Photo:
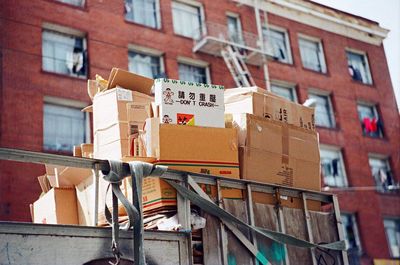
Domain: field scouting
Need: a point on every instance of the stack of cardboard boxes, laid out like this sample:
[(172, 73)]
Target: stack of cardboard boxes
[(192, 127)]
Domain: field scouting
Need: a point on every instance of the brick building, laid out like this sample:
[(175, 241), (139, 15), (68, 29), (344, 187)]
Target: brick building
[(50, 47)]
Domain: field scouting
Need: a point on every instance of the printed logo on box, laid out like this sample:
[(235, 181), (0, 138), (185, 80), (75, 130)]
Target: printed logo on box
[(168, 94), (185, 119), (166, 119)]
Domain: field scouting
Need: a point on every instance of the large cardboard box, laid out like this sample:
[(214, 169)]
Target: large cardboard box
[(58, 206), (189, 148), (189, 103), (117, 114), (278, 153), (261, 103)]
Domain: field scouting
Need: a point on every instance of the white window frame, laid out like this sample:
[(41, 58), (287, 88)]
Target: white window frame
[(376, 113), (287, 42), (158, 17), (364, 54), (67, 2), (50, 27), (355, 230), (324, 68), (396, 220), (148, 51), (328, 95), (238, 23), (70, 104), (386, 159), (288, 85), (339, 151), (202, 16), (197, 63)]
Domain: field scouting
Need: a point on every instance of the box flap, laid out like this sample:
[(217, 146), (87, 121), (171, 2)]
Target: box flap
[(72, 176), (131, 81)]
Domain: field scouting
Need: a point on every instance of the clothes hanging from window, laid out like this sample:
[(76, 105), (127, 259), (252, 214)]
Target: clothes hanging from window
[(367, 124), (335, 171), (74, 61), (355, 73)]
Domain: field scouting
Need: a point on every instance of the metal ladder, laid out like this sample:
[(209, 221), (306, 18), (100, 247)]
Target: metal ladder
[(237, 67)]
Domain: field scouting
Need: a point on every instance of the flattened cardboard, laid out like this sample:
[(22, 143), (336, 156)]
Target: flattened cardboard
[(87, 150), (58, 206), (131, 81), (261, 103)]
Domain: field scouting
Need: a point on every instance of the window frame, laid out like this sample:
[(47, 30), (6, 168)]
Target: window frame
[(356, 232), (386, 160), (58, 29), (287, 85), (149, 52), (69, 103), (238, 24), (158, 24), (198, 5), (365, 56), (337, 149), (396, 220), (287, 42), (196, 63), (374, 107), (324, 66), (328, 95)]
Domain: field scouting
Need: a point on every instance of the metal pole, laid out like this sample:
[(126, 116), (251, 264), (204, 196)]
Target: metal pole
[(96, 193), (250, 210), (222, 232), (339, 226), (308, 226), (261, 43)]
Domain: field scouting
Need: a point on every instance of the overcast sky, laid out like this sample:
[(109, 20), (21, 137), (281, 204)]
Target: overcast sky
[(387, 13)]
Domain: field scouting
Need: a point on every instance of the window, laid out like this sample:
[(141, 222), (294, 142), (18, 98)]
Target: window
[(278, 41), (187, 20), (64, 54), (145, 12), (63, 127), (192, 73), (352, 238), (312, 54), (371, 124), (323, 111), (73, 2), (358, 67), (332, 167), (287, 92), (234, 29), (392, 229), (381, 173), (146, 65)]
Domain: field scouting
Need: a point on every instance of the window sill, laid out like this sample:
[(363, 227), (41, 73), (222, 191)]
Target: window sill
[(83, 78), (143, 25), (184, 37), (64, 153), (81, 8), (362, 84), (316, 72), (376, 138), (333, 129), (283, 63)]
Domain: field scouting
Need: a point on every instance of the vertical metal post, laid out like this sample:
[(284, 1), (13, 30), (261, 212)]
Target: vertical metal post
[(250, 210), (281, 223), (96, 193), (183, 208), (222, 232), (261, 44), (339, 226), (308, 226)]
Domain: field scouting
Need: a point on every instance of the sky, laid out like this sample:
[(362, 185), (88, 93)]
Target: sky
[(387, 14)]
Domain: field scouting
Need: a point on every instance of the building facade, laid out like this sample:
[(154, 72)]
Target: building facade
[(50, 47)]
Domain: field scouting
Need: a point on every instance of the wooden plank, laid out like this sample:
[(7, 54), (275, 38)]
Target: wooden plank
[(295, 225), (265, 217), (211, 235), (324, 230), (237, 253)]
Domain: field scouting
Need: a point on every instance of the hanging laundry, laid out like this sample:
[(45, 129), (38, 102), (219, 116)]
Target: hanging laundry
[(373, 125), (383, 176), (335, 171), (367, 124)]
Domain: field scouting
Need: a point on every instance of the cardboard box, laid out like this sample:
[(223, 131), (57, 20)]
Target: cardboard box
[(118, 114), (254, 100), (58, 206), (278, 153), (131, 81), (194, 149), (188, 103), (87, 150)]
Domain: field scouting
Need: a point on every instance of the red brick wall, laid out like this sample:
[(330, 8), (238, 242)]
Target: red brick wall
[(24, 85)]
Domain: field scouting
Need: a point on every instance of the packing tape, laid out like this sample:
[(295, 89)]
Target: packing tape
[(285, 143)]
